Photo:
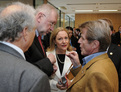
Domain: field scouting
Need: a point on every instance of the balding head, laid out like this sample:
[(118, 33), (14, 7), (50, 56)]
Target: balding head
[(14, 18), (10, 9), (46, 18), (46, 8)]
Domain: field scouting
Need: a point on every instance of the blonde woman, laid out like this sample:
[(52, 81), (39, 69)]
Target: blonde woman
[(59, 46)]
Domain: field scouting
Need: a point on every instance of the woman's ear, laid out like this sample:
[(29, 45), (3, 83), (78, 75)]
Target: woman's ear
[(54, 42)]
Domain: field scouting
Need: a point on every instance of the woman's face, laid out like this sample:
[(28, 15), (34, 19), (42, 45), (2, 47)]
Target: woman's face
[(70, 33), (62, 41)]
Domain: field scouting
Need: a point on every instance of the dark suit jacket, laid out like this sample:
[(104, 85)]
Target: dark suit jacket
[(17, 75), (114, 53), (36, 56), (117, 35), (46, 40)]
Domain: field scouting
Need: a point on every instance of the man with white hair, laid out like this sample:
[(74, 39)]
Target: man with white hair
[(17, 31)]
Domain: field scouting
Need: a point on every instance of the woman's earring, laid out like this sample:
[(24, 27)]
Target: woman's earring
[(55, 45)]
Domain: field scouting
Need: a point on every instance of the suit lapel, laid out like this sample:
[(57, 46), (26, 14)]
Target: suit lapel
[(78, 76), (111, 50), (56, 63), (111, 47), (36, 42), (67, 64)]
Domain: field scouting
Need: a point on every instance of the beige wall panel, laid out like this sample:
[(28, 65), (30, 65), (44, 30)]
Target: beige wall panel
[(115, 18)]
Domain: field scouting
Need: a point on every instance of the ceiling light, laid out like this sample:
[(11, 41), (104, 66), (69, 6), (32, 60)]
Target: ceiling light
[(83, 11), (108, 10)]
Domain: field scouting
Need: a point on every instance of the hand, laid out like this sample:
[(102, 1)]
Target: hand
[(69, 82), (74, 48), (51, 58), (63, 87), (74, 58), (54, 68), (118, 44)]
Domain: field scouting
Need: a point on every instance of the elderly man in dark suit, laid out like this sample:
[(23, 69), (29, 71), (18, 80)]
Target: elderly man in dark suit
[(17, 31), (46, 18)]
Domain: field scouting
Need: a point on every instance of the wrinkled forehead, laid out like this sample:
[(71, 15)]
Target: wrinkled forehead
[(52, 16)]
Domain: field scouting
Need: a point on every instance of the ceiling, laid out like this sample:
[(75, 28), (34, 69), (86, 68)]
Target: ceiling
[(69, 6)]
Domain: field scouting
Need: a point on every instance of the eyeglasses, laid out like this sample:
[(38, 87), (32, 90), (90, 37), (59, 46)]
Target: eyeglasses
[(43, 14), (50, 22)]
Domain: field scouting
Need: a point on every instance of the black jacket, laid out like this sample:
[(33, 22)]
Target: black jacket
[(114, 53), (36, 56)]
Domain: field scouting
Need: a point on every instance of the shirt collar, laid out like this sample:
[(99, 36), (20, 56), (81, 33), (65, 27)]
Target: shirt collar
[(14, 47), (90, 57), (37, 33)]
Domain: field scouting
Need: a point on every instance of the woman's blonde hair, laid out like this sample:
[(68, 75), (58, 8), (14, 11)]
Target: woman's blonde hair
[(53, 37)]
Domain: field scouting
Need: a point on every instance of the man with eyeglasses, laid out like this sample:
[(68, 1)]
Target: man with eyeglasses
[(46, 18)]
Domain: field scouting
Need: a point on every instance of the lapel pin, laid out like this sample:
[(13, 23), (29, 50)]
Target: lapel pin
[(111, 53)]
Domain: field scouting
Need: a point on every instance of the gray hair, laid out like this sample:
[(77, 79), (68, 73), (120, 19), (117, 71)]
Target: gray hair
[(98, 30), (13, 21), (46, 8)]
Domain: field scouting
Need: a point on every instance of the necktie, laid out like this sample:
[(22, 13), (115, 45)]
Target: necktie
[(39, 38)]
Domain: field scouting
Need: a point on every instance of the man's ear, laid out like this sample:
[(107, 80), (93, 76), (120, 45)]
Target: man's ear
[(111, 32), (39, 16), (24, 33), (95, 44)]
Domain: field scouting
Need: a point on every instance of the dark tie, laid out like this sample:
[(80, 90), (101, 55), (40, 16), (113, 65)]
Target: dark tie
[(39, 38)]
